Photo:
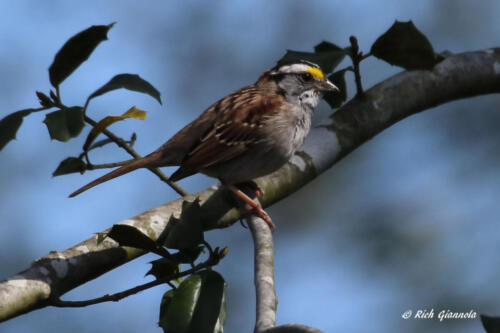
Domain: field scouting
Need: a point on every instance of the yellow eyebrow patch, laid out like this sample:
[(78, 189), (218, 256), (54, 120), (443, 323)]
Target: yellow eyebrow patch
[(316, 72)]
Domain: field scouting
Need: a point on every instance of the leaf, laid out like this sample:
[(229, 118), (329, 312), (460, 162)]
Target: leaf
[(133, 112), (187, 256), (166, 300), (75, 51), (219, 326), (10, 124), (325, 46), (195, 306), (187, 231), (335, 99), (128, 81), (326, 60), (163, 267), (491, 324), (127, 235), (65, 124), (405, 46), (70, 165)]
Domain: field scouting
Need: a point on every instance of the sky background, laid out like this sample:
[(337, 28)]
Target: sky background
[(407, 221)]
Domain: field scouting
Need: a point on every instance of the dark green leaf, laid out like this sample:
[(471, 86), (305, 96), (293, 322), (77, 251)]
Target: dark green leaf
[(187, 256), (166, 300), (70, 165), (127, 235), (178, 313), (209, 305), (327, 60), (128, 81), (187, 231), (163, 267), (405, 46), (219, 327), (75, 51), (65, 124), (10, 124), (195, 306), (491, 324), (335, 99), (325, 46)]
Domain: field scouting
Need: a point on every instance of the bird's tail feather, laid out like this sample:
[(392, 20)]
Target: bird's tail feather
[(145, 162)]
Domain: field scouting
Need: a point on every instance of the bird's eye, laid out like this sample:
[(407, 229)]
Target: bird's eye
[(306, 76)]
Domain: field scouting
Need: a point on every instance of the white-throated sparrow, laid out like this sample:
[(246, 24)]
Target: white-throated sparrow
[(247, 134)]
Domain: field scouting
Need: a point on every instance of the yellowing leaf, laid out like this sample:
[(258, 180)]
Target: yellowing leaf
[(133, 112)]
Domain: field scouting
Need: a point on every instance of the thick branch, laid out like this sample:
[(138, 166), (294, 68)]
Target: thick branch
[(458, 76)]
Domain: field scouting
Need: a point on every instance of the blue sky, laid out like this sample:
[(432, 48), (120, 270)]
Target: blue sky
[(407, 221)]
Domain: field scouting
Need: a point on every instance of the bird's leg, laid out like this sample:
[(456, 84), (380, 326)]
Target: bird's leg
[(256, 207), (253, 185)]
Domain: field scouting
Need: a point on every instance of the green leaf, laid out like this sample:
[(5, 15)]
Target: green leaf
[(75, 51), (128, 81), (10, 124), (327, 60), (219, 326), (127, 235), (70, 165), (491, 324), (187, 231), (325, 46), (209, 304), (335, 99), (195, 306), (405, 46), (166, 300), (187, 256), (65, 124), (163, 267)]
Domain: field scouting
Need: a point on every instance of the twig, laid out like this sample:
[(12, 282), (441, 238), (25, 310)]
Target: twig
[(211, 261), (263, 273), (356, 57), (121, 143)]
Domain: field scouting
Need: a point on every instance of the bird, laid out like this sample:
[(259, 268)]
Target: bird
[(249, 133)]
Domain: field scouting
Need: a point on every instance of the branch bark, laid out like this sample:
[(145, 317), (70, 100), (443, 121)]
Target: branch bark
[(458, 76)]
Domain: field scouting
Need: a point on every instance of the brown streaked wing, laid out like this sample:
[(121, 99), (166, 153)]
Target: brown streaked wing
[(236, 126)]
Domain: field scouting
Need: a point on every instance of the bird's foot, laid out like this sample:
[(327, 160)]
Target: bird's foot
[(256, 208), (253, 186)]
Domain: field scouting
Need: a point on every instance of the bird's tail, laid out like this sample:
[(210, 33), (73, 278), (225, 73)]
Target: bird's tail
[(145, 162)]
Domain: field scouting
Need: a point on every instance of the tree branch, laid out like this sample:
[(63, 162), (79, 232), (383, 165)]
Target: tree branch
[(457, 76), (263, 273)]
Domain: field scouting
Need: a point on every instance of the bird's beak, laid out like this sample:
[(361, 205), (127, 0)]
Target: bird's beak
[(328, 86)]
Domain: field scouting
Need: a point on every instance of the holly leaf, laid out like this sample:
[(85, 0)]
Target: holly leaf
[(75, 51), (327, 55), (163, 267), (335, 99), (9, 125), (70, 165), (133, 112), (65, 124), (195, 306), (491, 324), (326, 46), (128, 81), (187, 256), (187, 231), (127, 235), (405, 46)]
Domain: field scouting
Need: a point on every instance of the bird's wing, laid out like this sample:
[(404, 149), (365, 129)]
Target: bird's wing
[(238, 124)]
